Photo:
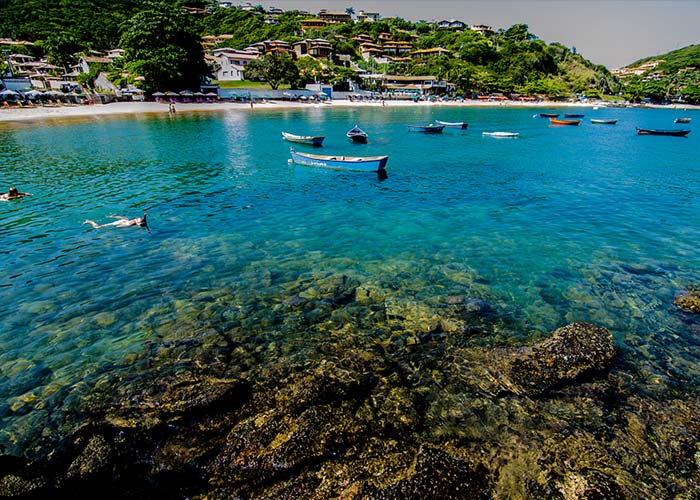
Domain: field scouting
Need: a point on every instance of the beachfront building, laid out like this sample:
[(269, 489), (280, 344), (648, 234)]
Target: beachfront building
[(316, 47), (407, 85), (230, 63)]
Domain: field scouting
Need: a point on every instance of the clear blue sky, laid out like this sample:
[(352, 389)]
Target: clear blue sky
[(613, 33)]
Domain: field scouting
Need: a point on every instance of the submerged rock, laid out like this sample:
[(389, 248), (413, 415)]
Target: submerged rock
[(570, 353), (690, 302)]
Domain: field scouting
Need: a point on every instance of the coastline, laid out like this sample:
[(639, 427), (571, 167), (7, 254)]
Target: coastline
[(119, 108)]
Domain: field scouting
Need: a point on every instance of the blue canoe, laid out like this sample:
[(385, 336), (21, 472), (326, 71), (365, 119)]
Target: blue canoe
[(357, 163)]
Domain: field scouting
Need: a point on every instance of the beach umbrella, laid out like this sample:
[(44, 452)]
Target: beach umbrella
[(172, 94), (33, 92), (186, 92), (9, 92), (158, 94), (199, 94), (211, 94)]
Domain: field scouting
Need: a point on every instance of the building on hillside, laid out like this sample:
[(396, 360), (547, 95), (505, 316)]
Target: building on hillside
[(426, 53), (226, 4), (363, 38), (483, 29), (312, 24), (275, 11), (230, 63), (367, 17), (210, 41), (317, 47), (271, 47), (452, 24), (335, 17), (371, 51), (397, 48)]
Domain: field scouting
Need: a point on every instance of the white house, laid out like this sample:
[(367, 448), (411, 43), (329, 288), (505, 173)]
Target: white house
[(231, 63)]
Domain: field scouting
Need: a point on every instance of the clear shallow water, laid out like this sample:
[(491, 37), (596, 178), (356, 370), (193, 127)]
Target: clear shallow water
[(589, 223)]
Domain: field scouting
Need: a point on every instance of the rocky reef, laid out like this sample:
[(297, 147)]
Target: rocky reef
[(339, 390)]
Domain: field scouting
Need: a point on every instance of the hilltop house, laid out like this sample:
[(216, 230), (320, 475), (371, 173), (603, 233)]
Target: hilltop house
[(334, 17), (452, 24)]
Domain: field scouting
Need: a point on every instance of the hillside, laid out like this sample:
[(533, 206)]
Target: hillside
[(507, 61), (670, 77)]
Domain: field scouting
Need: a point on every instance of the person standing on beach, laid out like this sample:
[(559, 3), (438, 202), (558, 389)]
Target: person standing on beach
[(13, 194), (121, 222)]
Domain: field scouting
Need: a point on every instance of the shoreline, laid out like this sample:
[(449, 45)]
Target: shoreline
[(30, 113)]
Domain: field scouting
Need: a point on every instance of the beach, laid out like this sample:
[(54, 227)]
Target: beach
[(30, 113), (117, 108)]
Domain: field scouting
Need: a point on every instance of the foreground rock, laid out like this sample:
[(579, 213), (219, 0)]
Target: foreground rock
[(378, 417)]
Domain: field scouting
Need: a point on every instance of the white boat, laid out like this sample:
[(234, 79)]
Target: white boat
[(461, 125), (501, 134), (315, 140), (356, 163)]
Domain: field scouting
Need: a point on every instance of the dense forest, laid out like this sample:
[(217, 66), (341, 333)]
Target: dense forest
[(673, 76), (158, 37)]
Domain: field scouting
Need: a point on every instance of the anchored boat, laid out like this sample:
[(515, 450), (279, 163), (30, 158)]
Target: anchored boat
[(356, 163), (314, 140)]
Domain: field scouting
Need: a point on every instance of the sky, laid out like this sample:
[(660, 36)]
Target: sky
[(613, 33)]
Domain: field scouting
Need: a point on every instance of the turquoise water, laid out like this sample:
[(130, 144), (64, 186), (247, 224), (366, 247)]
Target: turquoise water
[(589, 223)]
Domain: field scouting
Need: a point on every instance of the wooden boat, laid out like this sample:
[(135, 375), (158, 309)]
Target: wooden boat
[(501, 134), (461, 125), (605, 122), (426, 129), (676, 132), (682, 120), (356, 134), (555, 121), (572, 115), (314, 140), (549, 115), (356, 163)]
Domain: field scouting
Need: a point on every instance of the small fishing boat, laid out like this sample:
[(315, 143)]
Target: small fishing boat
[(682, 120), (604, 122), (314, 140), (426, 129), (501, 134), (356, 163), (356, 134), (461, 125), (572, 115), (675, 132), (555, 121), (549, 115)]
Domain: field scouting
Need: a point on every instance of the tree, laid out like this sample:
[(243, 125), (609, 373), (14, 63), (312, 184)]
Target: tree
[(159, 46), (274, 70)]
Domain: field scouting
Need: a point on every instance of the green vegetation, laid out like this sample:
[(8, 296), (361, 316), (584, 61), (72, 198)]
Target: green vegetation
[(675, 77), (159, 39)]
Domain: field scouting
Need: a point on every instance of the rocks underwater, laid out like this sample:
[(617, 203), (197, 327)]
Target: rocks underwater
[(339, 390)]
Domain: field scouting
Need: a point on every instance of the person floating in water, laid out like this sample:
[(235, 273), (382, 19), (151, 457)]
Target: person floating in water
[(13, 194), (121, 222)]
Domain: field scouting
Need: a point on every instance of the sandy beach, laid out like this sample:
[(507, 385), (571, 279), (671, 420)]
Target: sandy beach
[(32, 113)]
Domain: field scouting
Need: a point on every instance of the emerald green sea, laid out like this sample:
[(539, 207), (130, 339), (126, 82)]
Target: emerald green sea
[(589, 223)]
